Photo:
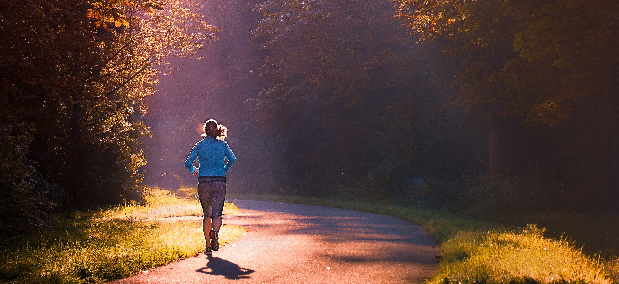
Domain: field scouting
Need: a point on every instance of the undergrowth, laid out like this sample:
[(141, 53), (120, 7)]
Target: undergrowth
[(94, 247), (515, 256)]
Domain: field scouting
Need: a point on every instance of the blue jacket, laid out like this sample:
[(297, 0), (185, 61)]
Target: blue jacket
[(214, 156)]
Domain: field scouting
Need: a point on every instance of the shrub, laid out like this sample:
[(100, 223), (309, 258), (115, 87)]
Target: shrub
[(25, 200)]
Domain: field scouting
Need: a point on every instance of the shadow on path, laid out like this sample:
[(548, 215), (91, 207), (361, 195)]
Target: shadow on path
[(230, 270)]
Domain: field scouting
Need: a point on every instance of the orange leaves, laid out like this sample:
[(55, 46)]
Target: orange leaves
[(110, 12), (431, 18), (114, 12)]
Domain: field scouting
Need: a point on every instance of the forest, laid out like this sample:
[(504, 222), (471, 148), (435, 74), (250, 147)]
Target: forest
[(447, 104)]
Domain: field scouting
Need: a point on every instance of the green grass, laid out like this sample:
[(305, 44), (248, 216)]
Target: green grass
[(164, 204), (94, 247), (595, 233), (509, 256), (492, 250)]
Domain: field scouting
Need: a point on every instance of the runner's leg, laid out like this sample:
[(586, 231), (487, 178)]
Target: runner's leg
[(204, 193), (207, 225)]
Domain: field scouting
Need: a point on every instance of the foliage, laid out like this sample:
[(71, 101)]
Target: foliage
[(95, 247), (546, 65), (75, 86), (534, 59), (490, 193), (517, 92), (26, 200), (337, 74)]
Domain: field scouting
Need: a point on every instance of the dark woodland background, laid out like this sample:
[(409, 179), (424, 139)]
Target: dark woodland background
[(511, 108)]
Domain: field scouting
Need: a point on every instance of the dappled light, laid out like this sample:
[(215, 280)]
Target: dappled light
[(110, 244), (502, 113)]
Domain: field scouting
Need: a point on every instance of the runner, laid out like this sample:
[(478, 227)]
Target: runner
[(215, 158)]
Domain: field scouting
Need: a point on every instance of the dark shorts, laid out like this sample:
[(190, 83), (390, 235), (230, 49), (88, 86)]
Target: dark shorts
[(212, 193)]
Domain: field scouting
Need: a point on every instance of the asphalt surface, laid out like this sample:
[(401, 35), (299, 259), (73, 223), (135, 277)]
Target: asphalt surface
[(294, 243)]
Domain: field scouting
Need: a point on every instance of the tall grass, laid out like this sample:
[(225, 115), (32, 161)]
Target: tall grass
[(93, 247), (478, 251), (509, 256), (163, 204)]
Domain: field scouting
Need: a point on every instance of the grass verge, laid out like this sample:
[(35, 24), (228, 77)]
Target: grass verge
[(163, 204), (476, 251), (94, 247)]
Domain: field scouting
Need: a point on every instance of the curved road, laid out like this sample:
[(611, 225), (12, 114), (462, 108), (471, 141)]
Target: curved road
[(295, 243)]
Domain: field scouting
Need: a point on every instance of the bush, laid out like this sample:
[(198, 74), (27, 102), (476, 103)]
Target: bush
[(25, 200)]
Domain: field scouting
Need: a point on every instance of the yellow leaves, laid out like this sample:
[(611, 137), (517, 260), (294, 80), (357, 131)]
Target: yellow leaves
[(121, 22), (110, 12), (151, 6), (432, 18), (115, 11)]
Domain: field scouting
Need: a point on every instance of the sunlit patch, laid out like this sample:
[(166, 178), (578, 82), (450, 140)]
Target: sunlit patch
[(223, 131), (200, 129), (95, 247)]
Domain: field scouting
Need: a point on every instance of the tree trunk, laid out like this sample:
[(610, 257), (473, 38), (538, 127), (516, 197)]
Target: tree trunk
[(74, 173), (600, 193), (614, 139), (495, 164), (413, 150)]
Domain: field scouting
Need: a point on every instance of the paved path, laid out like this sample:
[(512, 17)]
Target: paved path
[(293, 243)]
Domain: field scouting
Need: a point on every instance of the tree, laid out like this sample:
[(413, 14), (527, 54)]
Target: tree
[(536, 60), (74, 86), (346, 94)]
